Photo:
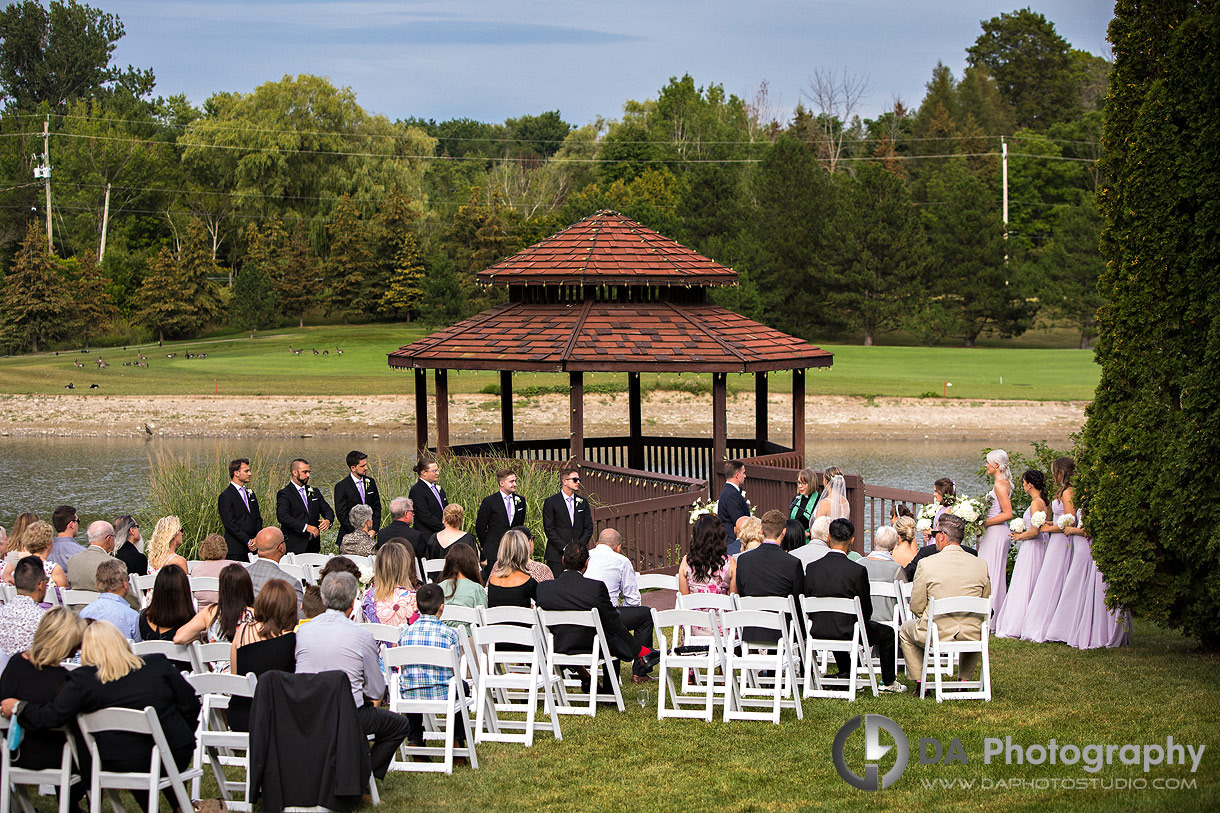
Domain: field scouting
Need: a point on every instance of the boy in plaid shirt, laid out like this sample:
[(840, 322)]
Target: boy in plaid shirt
[(427, 682)]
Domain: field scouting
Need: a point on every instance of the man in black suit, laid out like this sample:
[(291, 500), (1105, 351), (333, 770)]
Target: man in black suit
[(769, 570), (239, 512), (356, 490), (399, 527), (565, 518), (732, 504), (428, 498), (836, 576), (302, 512), (498, 512), (572, 591)]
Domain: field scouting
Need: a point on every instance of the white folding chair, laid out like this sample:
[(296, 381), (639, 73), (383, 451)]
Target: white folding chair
[(597, 659), (489, 643), (13, 779), (656, 581), (218, 743), (463, 615), (432, 568), (296, 572), (383, 633), (7, 592), (141, 586), (785, 606), (889, 590), (904, 598), (310, 559), (717, 603), (210, 658), (942, 652), (685, 659), (73, 599), (454, 709), (162, 773), (201, 584), (742, 687), (175, 652), (857, 647)]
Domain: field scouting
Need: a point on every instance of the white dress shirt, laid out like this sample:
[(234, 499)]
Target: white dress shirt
[(616, 571)]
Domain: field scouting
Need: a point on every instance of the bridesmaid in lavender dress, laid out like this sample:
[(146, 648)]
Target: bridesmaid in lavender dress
[(1077, 585), (1097, 626), (1029, 558), (1049, 586), (993, 546)]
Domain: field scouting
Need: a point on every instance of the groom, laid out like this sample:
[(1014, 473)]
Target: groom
[(732, 504)]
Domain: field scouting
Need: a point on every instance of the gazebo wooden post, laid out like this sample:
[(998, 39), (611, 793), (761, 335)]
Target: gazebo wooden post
[(720, 429), (635, 445), (421, 410), (506, 410), (760, 413), (442, 411), (798, 412), (577, 417)]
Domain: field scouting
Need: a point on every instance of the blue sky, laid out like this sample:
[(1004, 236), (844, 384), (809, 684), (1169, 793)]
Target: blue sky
[(492, 60)]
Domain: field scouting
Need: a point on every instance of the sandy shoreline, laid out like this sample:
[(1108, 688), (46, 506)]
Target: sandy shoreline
[(664, 413)]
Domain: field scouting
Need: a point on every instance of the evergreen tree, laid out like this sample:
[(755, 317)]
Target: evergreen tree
[(254, 302), (297, 280), (395, 220), (350, 263), (37, 306), (177, 297), (92, 304), (403, 294), (1069, 266), (159, 303), (444, 300)]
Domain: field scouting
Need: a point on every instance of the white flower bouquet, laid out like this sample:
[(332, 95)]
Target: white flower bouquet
[(1038, 519), (366, 573), (1066, 521), (1017, 526), (971, 512), (924, 524), (699, 508)]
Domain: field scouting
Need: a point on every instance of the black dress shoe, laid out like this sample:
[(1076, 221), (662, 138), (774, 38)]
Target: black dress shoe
[(651, 660)]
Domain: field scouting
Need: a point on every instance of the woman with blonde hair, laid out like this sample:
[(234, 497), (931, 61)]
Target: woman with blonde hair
[(439, 543), (37, 541), (906, 547), (391, 598), (16, 548), (110, 676), (751, 535), (510, 582), (997, 538), (162, 548)]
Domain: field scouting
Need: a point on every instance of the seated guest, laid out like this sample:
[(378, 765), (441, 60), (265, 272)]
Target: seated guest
[(836, 576), (14, 550), (462, 581), (574, 591), (439, 544), (819, 535), (163, 547), (359, 542), (750, 535), (931, 549), (129, 546), (36, 676), (37, 540), (265, 642), (707, 567), (907, 546), (339, 564), (333, 641), (218, 622), (794, 537), (82, 568), (402, 514), (391, 597), (767, 570), (169, 607), (213, 555), (881, 567), (950, 572), (111, 604), (20, 617), (64, 545), (428, 682), (269, 545), (608, 564), (510, 583), (110, 676), (311, 605), (541, 572)]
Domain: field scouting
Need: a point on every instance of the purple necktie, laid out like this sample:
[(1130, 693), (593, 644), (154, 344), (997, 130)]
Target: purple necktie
[(304, 497), (244, 498), (360, 488)]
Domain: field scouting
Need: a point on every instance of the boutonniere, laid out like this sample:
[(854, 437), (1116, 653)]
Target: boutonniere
[(312, 492), (579, 501)]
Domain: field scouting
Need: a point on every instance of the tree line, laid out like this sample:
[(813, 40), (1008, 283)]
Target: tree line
[(292, 202)]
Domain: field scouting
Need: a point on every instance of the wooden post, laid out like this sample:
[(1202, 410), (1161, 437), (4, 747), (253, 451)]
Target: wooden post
[(577, 418), (720, 426), (635, 445), (421, 410), (760, 413), (506, 410), (442, 412), (798, 413)]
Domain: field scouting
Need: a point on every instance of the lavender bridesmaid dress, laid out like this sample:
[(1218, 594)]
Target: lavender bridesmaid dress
[(993, 549), (1077, 585), (1049, 585), (1024, 575), (1099, 627)]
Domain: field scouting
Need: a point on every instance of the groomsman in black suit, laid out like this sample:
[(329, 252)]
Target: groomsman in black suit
[(428, 498), (732, 504), (565, 518), (302, 512), (239, 512), (498, 512), (769, 570), (356, 490)]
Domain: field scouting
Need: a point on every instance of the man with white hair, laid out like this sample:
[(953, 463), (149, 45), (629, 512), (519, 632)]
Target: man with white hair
[(82, 568), (881, 567), (402, 515), (816, 548)]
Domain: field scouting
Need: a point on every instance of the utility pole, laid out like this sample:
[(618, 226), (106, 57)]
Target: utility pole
[(1004, 159), (101, 251), (46, 164)]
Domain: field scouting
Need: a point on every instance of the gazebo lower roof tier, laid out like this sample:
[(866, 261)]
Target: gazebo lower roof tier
[(607, 248), (595, 336)]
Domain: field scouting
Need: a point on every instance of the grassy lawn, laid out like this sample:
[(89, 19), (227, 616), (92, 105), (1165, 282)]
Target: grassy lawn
[(237, 365)]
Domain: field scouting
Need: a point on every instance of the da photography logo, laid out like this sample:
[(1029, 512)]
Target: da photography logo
[(874, 750)]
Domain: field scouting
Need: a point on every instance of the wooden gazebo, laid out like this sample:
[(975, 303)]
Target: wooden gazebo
[(610, 295)]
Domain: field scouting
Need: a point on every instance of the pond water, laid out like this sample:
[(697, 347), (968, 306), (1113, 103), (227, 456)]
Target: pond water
[(105, 477)]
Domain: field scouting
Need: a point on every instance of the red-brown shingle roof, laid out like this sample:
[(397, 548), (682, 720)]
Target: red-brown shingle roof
[(610, 336), (607, 248)]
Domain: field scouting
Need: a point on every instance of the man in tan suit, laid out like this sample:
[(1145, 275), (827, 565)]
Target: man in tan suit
[(82, 568), (948, 573)]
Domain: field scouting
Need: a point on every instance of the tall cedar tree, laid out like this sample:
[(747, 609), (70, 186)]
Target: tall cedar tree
[(395, 218), (177, 298), (1152, 436), (92, 303), (350, 263), (297, 281), (37, 306), (254, 303), (404, 293)]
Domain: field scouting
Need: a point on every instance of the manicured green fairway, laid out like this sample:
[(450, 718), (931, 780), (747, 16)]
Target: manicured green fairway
[(237, 365)]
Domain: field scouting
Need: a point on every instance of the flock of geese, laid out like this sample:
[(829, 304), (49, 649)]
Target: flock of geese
[(142, 360), (299, 350)]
